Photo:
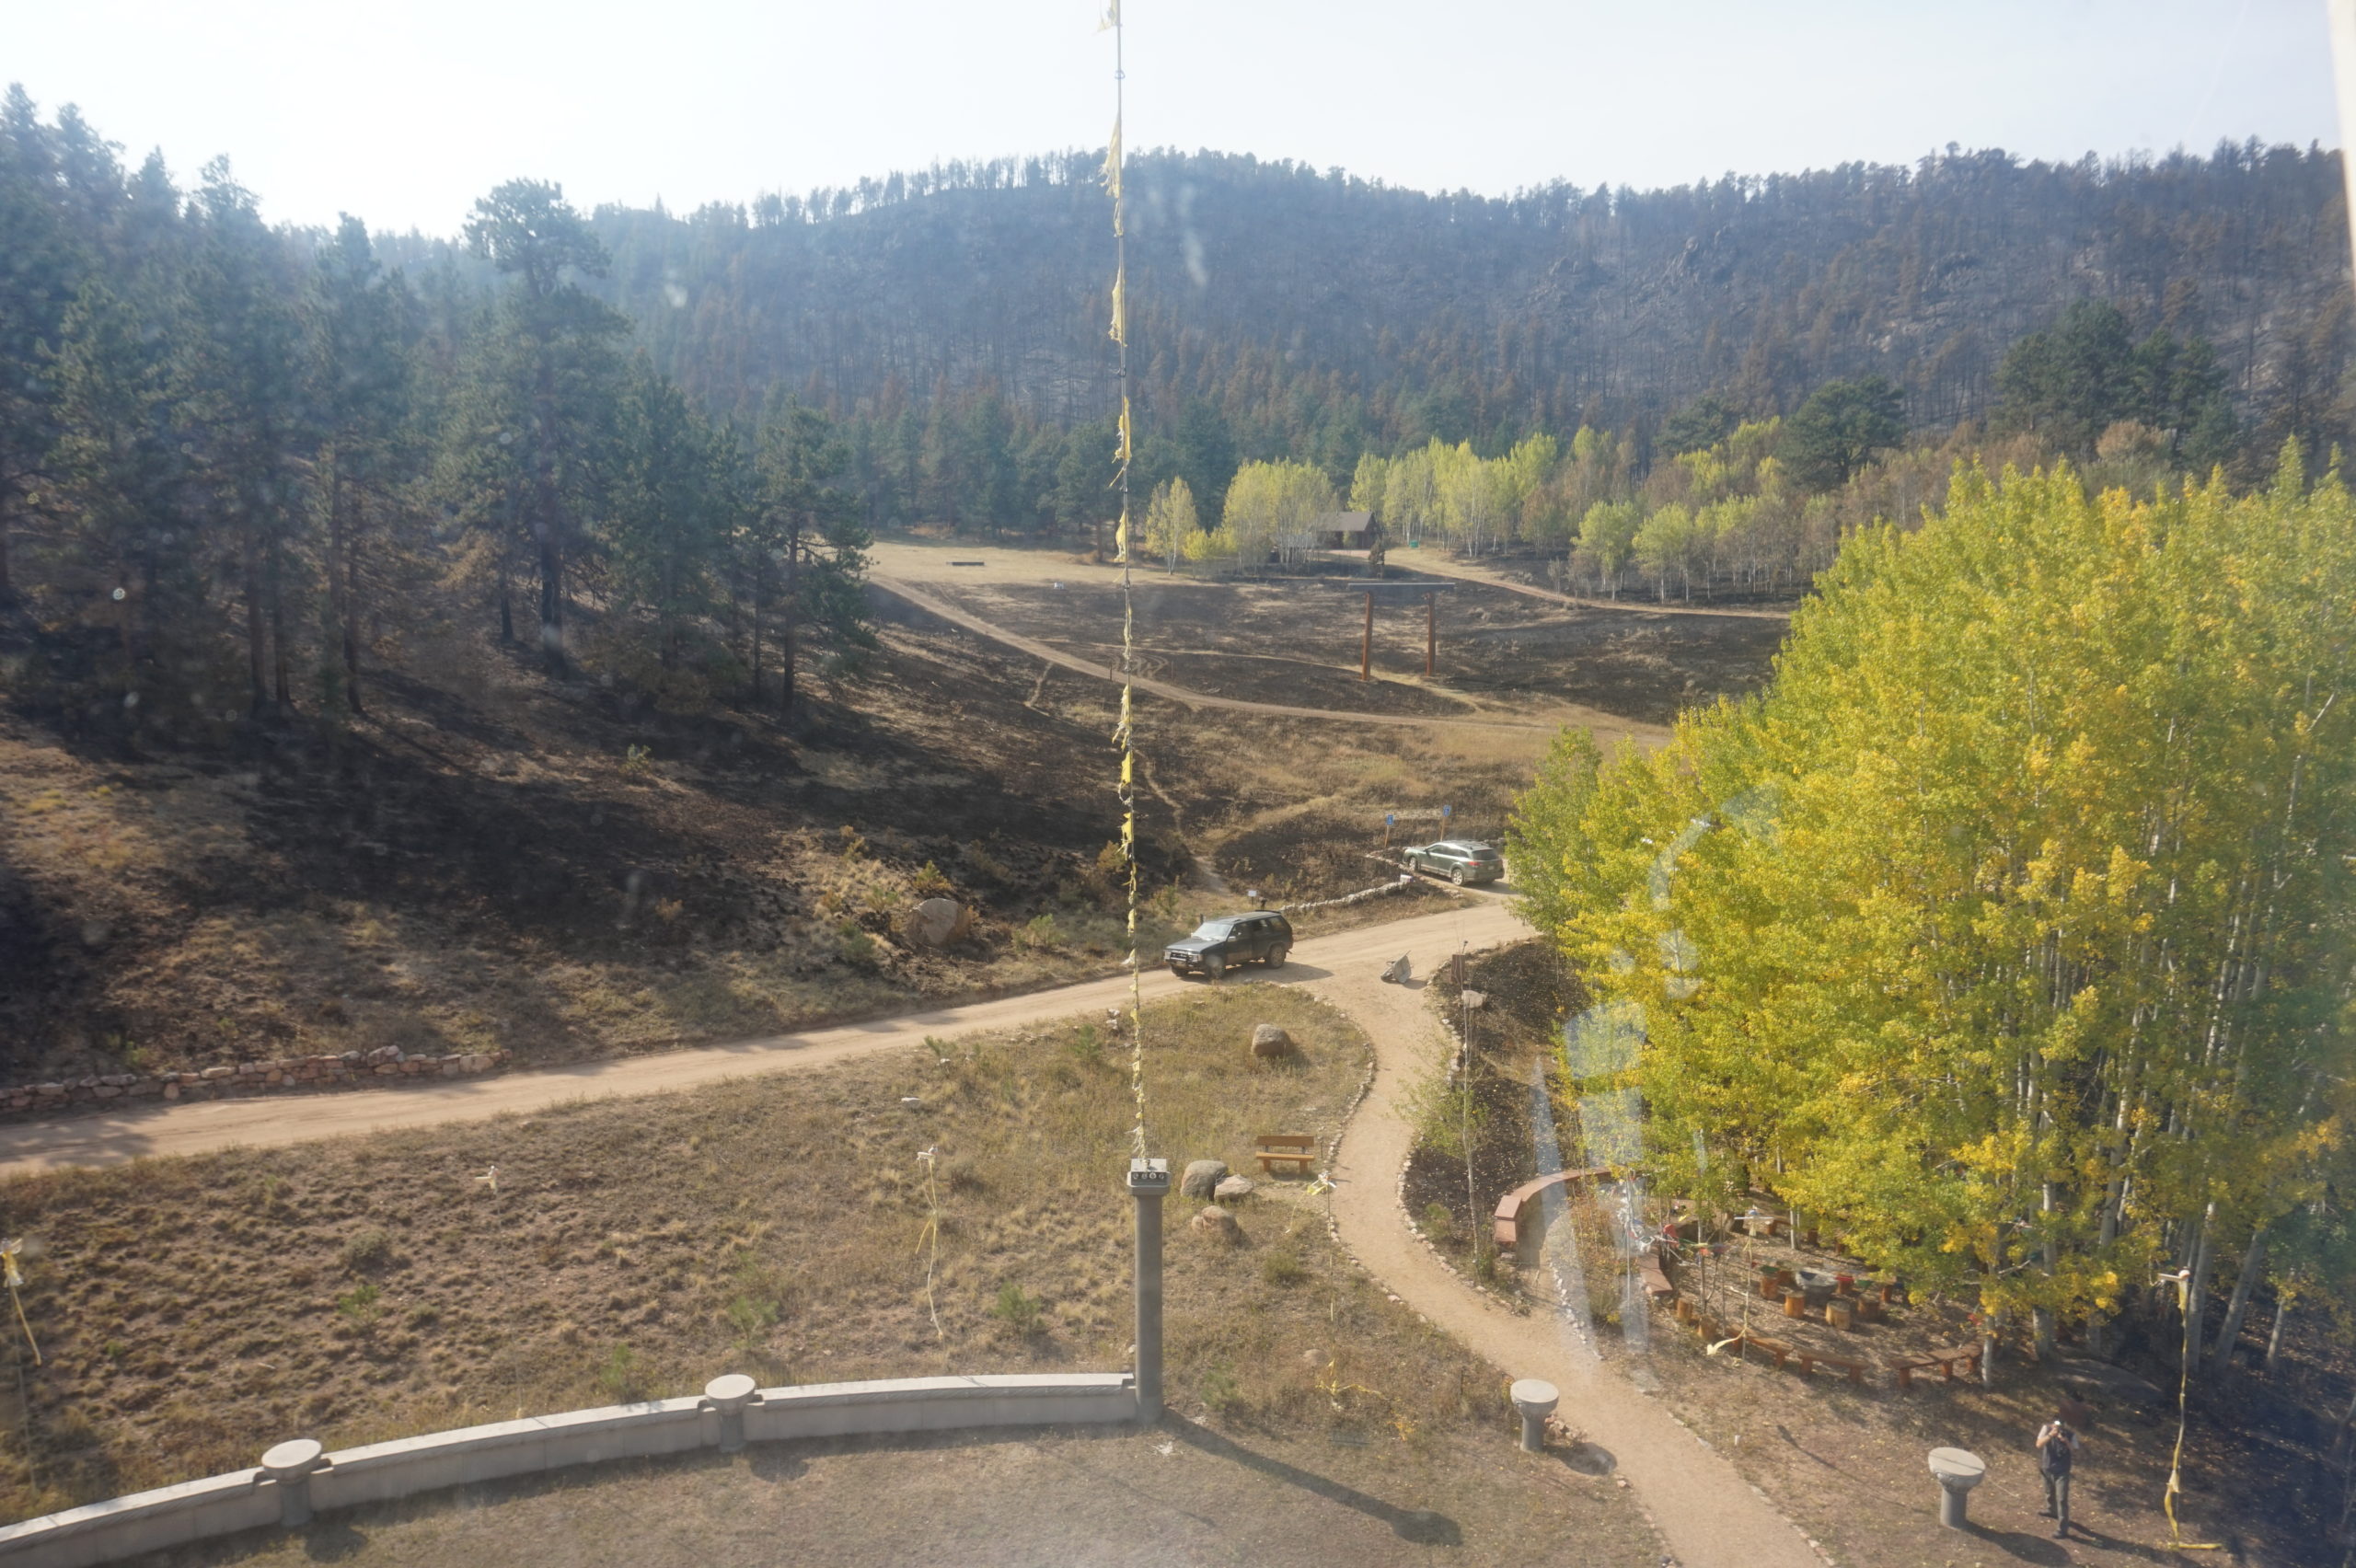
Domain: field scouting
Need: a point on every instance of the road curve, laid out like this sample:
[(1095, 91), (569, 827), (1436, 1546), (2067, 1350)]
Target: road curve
[(1709, 1516), (273, 1121), (1602, 723)]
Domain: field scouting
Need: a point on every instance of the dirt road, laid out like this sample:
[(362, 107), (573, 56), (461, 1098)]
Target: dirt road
[(1604, 722), (1441, 564), (1708, 1515), (1703, 1508), (160, 1129)]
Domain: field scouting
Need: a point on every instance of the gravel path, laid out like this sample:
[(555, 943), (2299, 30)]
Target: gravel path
[(1709, 1514)]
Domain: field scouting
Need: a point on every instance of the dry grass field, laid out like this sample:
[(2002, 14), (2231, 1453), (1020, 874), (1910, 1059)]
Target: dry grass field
[(192, 1312)]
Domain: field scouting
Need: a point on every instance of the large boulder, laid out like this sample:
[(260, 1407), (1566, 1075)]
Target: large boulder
[(1202, 1178), (1234, 1189), (1218, 1225), (937, 922), (1270, 1040)]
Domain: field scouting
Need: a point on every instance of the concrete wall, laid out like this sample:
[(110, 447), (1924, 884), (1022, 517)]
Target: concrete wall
[(223, 1505)]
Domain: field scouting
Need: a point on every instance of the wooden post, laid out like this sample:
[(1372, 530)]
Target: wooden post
[(1431, 630), (1365, 643)]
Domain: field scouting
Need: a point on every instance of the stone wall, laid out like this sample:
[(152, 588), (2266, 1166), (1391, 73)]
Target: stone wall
[(387, 1064), (296, 1478)]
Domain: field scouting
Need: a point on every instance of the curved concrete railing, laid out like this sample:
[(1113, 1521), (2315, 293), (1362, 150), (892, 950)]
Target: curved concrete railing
[(295, 1478)]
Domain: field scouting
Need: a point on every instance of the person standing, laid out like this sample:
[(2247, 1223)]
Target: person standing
[(2057, 1450)]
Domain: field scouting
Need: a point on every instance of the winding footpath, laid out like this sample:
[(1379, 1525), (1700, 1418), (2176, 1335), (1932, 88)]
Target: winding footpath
[(1709, 1516)]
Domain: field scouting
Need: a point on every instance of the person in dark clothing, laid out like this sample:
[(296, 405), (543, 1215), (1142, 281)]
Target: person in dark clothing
[(2057, 1449)]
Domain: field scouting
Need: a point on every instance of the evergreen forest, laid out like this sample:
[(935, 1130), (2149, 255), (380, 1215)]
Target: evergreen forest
[(230, 453)]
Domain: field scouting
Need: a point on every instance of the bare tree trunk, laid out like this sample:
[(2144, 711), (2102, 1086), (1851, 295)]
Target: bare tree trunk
[(282, 683), (761, 601), (2253, 1263), (547, 523), (2274, 1336), (2195, 1299), (258, 691), (786, 628), (352, 617)]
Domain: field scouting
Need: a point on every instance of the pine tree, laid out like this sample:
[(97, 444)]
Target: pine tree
[(361, 330), (559, 357)]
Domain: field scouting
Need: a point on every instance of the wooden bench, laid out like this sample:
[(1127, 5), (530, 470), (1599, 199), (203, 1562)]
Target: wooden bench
[(1507, 1228), (1656, 1278), (1854, 1370), (1273, 1150), (1948, 1359)]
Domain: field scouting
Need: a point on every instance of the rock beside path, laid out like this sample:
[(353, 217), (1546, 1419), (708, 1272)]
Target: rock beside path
[(1202, 1178), (1234, 1188), (937, 922), (1218, 1225), (1270, 1040)]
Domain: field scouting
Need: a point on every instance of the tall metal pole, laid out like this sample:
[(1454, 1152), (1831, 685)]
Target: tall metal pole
[(1148, 1185), (1365, 643)]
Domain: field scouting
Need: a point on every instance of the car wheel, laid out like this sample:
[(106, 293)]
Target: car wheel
[(1179, 970), (1214, 966), (1277, 957), (1456, 876)]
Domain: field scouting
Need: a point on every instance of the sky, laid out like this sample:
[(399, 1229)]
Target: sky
[(403, 112)]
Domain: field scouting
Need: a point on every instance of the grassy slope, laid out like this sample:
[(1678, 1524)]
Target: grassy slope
[(194, 1311)]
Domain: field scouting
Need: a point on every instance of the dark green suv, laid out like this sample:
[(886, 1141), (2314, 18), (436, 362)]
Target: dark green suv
[(1230, 940), (1460, 860)]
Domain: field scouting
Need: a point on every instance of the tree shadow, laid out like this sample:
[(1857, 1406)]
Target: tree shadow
[(1419, 1525)]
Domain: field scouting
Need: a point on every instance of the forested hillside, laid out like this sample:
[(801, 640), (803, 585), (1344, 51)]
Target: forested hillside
[(1314, 314)]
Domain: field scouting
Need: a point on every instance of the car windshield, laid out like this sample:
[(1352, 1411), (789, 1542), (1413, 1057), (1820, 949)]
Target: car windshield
[(1215, 930)]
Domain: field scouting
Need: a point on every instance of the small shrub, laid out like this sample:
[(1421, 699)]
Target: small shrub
[(749, 1314), (855, 946), (360, 1307), (1023, 1314), (929, 883), (623, 1376), (424, 1315), (959, 1174), (1281, 1269), (367, 1249), (853, 846), (1108, 877), (1218, 1388), (986, 865), (1040, 934), (1438, 1224), (1085, 1047), (636, 759)]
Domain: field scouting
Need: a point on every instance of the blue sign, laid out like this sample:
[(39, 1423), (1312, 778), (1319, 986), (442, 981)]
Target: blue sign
[(1390, 819), (1448, 811)]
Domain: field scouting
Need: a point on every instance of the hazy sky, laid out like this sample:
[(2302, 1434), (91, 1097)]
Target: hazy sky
[(404, 112)]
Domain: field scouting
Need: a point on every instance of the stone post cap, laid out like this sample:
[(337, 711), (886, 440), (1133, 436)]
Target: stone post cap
[(1149, 1178), (1956, 1469), (293, 1458), (1532, 1396), (730, 1390)]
